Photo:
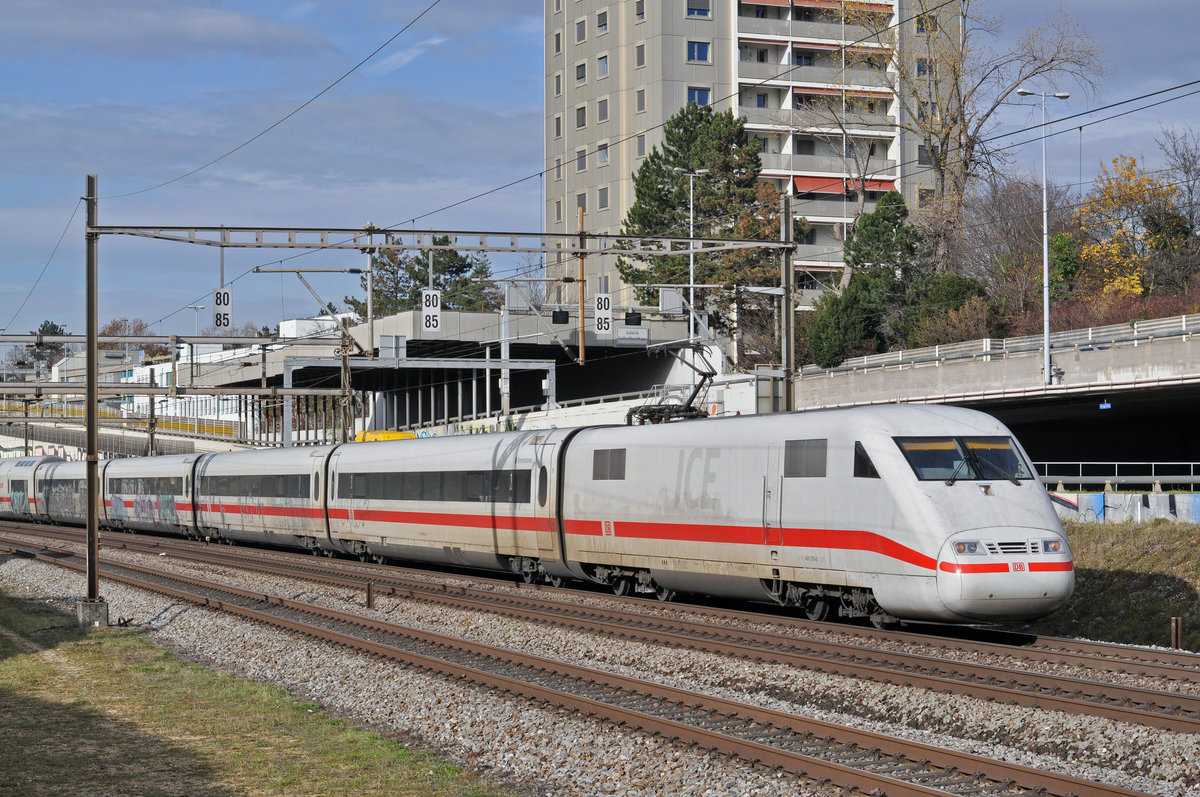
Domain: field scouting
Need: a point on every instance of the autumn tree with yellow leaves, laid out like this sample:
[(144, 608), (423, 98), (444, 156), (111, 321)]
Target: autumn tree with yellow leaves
[(1117, 242)]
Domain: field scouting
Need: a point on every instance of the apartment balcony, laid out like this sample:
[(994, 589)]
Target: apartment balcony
[(752, 26), (780, 162), (830, 253), (758, 71), (833, 208), (806, 119)]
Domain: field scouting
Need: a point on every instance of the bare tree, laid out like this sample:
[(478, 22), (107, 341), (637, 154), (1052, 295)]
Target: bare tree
[(948, 84), (1182, 151), (1002, 237)]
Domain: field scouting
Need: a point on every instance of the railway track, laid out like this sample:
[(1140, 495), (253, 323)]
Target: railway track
[(1170, 710), (850, 758)]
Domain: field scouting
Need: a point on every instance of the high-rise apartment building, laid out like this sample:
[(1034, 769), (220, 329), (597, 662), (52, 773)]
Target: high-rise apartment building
[(817, 88)]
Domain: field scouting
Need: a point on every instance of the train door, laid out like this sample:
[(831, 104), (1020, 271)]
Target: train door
[(772, 499)]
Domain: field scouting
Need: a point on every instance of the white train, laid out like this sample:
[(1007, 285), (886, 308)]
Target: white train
[(909, 512)]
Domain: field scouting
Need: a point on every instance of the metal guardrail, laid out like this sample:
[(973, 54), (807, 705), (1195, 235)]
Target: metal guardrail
[(1181, 327), (1116, 475)]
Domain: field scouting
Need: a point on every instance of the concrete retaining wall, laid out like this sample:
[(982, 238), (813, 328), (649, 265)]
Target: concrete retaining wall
[(1127, 507)]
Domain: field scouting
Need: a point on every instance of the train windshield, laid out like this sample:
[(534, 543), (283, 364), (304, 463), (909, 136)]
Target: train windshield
[(972, 458)]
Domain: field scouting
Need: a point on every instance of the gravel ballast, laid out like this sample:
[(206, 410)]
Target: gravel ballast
[(554, 752)]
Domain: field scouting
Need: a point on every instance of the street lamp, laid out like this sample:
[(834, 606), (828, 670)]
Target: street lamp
[(1047, 375), (196, 318)]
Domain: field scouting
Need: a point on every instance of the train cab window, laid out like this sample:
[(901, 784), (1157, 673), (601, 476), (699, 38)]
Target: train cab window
[(804, 458), (970, 458), (864, 468), (608, 464)]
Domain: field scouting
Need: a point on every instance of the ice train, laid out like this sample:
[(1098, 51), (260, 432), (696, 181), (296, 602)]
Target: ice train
[(909, 512)]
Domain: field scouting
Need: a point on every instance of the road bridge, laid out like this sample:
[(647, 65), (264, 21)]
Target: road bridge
[(1128, 392)]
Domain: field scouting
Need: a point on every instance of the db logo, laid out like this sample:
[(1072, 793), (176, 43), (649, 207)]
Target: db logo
[(607, 529), (1018, 567)]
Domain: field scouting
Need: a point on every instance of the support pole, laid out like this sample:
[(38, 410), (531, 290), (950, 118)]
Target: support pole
[(582, 295), (788, 325), (93, 612)]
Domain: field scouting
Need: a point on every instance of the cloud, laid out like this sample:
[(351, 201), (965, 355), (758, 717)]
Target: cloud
[(398, 60), (149, 30)]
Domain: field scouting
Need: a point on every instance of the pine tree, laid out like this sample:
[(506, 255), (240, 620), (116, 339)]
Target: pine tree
[(399, 277)]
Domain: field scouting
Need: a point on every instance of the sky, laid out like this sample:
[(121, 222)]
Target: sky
[(141, 92)]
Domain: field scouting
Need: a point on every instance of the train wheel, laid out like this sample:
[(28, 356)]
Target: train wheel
[(557, 581), (529, 576), (622, 586), (815, 608), (664, 594)]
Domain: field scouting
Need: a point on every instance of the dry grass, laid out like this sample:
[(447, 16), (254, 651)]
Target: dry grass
[(109, 713), (1130, 580)]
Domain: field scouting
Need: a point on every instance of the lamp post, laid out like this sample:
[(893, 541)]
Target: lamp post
[(196, 318), (1047, 374)]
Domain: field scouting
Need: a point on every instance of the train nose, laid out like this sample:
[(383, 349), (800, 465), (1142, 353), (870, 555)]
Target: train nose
[(1005, 573)]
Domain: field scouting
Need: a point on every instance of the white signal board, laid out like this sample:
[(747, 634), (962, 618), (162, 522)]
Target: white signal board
[(602, 305), (431, 309), (222, 305)]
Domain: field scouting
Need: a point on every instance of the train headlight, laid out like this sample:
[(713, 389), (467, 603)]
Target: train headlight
[(1052, 546), (968, 547)]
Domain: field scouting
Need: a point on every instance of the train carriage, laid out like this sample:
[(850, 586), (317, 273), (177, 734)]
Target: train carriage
[(832, 511), (62, 488), (150, 494), (475, 500), (267, 495), (19, 488)]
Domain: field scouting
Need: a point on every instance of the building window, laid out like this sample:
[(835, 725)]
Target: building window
[(581, 31), (926, 24), (602, 198), (602, 66), (558, 127), (760, 101), (639, 10), (762, 55), (558, 168), (926, 67), (558, 210), (581, 116), (927, 110), (602, 22), (639, 55), (581, 202), (923, 158), (802, 58), (698, 8), (808, 237), (641, 146), (641, 100), (602, 110), (557, 6), (602, 154), (697, 51), (924, 196), (698, 95), (580, 73), (557, 42), (581, 160), (558, 84)]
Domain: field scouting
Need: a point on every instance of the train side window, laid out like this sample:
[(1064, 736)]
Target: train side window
[(608, 464), (543, 486), (864, 468), (804, 458)]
